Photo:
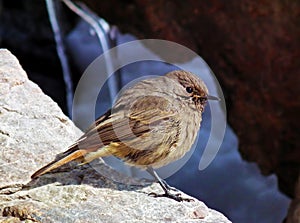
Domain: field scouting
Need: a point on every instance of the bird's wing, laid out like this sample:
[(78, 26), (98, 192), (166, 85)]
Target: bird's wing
[(115, 129), (118, 127), (156, 128)]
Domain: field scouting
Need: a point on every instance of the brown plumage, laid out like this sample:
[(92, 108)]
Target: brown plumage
[(153, 123)]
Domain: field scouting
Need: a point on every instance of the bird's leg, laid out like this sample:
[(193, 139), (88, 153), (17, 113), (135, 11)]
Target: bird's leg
[(166, 188), (167, 185)]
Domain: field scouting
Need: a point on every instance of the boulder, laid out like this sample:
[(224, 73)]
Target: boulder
[(33, 130)]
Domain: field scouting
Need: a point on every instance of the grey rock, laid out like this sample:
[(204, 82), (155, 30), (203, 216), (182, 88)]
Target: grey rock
[(33, 130)]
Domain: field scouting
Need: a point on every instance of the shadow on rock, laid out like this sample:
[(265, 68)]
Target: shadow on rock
[(96, 174)]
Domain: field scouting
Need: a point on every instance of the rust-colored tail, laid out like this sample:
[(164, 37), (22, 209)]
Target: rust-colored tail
[(68, 157)]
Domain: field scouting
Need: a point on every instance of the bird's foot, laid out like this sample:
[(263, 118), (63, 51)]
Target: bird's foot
[(176, 197), (167, 188)]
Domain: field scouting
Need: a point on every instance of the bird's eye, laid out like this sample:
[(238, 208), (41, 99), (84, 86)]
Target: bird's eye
[(189, 89)]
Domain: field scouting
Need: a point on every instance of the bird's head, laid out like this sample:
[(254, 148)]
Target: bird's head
[(192, 88)]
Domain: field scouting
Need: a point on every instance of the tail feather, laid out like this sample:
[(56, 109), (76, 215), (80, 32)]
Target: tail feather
[(57, 163)]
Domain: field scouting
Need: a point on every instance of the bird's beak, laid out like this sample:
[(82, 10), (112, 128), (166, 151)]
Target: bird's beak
[(210, 97)]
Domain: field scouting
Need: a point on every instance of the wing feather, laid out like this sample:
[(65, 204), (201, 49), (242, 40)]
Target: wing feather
[(145, 113)]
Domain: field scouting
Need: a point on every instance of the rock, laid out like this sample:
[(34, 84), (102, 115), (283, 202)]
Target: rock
[(294, 209), (32, 125), (34, 45), (33, 129)]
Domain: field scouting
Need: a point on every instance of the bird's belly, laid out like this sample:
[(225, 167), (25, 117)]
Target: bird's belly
[(156, 149), (186, 140)]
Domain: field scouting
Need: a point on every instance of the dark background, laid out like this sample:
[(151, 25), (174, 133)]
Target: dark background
[(252, 46)]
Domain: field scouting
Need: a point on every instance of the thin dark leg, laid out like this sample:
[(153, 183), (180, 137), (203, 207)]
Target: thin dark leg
[(166, 188)]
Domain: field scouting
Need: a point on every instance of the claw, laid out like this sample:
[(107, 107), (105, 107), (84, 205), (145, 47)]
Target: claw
[(167, 188), (176, 197)]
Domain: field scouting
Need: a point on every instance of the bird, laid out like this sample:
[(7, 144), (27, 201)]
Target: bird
[(152, 123)]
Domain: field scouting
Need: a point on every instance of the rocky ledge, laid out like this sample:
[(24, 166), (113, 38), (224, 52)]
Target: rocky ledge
[(33, 129)]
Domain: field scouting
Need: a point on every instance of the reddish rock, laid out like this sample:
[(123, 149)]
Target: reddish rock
[(294, 210)]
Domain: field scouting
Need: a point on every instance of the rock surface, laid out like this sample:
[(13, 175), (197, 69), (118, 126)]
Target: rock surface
[(294, 210), (33, 129)]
